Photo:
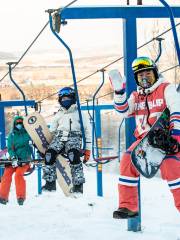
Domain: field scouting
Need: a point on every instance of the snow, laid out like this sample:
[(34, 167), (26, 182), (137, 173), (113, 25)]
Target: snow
[(54, 216)]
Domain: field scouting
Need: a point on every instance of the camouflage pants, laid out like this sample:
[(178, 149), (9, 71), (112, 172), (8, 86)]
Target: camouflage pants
[(64, 143)]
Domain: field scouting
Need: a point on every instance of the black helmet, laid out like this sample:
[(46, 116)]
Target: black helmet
[(144, 63), (67, 92)]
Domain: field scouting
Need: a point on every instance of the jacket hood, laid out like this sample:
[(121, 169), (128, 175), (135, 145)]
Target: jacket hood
[(15, 119), (151, 89)]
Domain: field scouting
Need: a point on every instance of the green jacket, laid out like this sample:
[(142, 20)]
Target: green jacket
[(18, 143)]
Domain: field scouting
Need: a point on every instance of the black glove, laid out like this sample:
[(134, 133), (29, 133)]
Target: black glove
[(160, 138)]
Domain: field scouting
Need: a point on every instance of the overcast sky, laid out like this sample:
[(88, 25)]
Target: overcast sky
[(21, 21)]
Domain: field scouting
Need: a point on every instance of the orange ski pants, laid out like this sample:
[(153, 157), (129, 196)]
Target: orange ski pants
[(129, 178), (20, 182)]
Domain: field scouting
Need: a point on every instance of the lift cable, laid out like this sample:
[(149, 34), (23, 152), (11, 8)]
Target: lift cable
[(32, 43), (111, 63)]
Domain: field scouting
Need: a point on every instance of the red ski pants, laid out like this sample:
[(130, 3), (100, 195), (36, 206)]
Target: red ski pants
[(20, 182), (129, 177)]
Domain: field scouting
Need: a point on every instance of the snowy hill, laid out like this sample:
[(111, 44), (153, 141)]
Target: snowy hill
[(53, 216)]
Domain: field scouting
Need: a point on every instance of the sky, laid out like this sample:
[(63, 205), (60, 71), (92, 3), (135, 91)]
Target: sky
[(21, 21), (54, 216)]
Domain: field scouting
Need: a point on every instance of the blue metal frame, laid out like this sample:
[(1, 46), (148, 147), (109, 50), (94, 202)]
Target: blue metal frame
[(97, 116), (3, 105), (73, 76), (173, 25), (106, 12), (160, 49), (129, 15), (16, 85), (94, 127)]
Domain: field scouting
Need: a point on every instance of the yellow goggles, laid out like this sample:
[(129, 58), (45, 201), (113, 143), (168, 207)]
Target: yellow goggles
[(141, 64)]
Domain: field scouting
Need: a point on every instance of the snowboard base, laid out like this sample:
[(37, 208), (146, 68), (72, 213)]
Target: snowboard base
[(146, 158), (36, 127)]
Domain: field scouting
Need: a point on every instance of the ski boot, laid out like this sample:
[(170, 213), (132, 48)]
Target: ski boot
[(20, 201), (78, 188), (3, 201), (124, 213), (49, 186)]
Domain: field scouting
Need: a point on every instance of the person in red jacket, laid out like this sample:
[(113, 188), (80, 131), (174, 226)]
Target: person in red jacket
[(146, 104)]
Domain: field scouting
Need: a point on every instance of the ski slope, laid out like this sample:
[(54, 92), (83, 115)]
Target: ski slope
[(53, 216)]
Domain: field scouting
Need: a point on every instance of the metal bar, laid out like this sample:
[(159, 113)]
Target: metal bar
[(104, 12), (98, 107), (94, 133), (160, 49), (130, 53), (16, 85), (74, 80), (173, 25), (16, 103), (99, 166), (119, 139), (39, 179), (2, 127)]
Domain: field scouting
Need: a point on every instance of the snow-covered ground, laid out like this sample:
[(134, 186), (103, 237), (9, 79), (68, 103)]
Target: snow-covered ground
[(53, 216)]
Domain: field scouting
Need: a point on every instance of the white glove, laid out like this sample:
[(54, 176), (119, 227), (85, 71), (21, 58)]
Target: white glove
[(14, 162), (116, 80)]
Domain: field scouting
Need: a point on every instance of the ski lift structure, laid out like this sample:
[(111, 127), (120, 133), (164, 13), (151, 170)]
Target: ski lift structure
[(129, 16), (4, 104), (58, 17)]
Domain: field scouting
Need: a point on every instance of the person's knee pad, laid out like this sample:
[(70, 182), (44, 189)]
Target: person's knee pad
[(74, 156), (50, 156)]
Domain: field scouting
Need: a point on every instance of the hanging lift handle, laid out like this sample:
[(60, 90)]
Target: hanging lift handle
[(16, 85), (98, 159), (160, 49), (73, 75), (173, 25)]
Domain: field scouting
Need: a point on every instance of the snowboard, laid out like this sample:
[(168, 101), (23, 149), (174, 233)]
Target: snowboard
[(145, 157), (37, 128)]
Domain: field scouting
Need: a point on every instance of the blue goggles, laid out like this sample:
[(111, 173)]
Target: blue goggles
[(66, 92)]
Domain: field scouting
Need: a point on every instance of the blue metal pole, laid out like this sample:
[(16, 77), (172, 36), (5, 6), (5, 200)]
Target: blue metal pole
[(99, 166), (160, 49), (39, 178), (130, 53), (173, 25), (74, 80), (17, 86), (2, 134), (94, 132), (2, 127), (119, 139)]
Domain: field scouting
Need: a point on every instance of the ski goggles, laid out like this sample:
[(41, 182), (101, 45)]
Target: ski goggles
[(19, 121), (66, 92), (142, 64)]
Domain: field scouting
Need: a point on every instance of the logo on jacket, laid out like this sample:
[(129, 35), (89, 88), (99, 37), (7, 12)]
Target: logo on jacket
[(152, 104), (32, 120)]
